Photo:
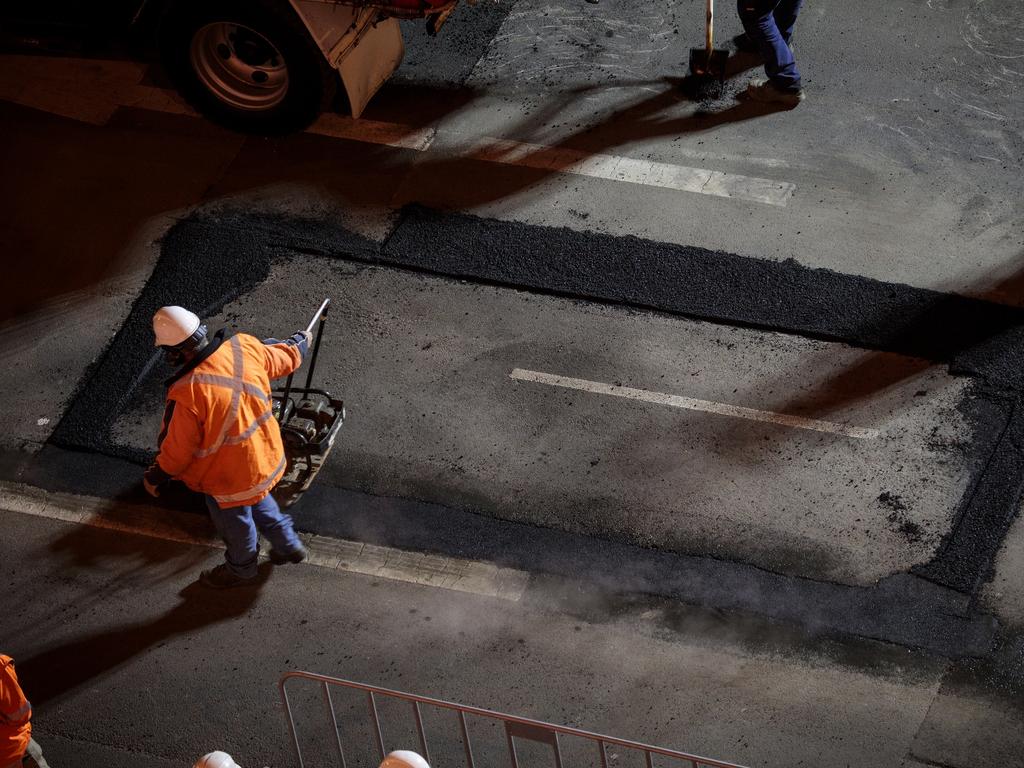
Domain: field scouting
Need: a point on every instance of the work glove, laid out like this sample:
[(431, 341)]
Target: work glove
[(302, 339), (153, 479)]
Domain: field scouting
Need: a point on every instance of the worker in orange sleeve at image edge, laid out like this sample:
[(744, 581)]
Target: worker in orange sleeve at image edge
[(220, 437), (17, 747)]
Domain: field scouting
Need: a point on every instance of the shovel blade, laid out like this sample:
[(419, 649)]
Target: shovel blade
[(705, 63)]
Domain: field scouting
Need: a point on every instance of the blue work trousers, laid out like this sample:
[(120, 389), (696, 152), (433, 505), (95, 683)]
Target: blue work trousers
[(769, 24), (238, 527)]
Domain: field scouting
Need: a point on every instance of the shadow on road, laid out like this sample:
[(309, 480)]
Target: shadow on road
[(125, 173), (141, 166), (946, 332), (501, 169), (60, 670), (79, 546), (105, 544)]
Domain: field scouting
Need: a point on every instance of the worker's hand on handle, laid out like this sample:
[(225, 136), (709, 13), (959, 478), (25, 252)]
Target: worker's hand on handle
[(302, 339), (153, 479)]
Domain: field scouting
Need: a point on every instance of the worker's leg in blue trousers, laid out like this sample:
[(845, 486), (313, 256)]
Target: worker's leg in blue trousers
[(236, 528), (275, 525), (769, 24), (785, 18)]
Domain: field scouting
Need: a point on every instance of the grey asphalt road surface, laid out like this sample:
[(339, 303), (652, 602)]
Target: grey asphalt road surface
[(829, 577)]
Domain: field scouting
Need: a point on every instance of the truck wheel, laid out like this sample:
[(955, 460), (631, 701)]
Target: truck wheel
[(250, 65)]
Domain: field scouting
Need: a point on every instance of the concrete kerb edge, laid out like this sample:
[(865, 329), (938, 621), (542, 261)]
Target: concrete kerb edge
[(474, 577)]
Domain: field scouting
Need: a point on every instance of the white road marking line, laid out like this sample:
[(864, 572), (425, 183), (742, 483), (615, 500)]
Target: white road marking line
[(632, 170), (91, 91), (693, 404), (475, 577)]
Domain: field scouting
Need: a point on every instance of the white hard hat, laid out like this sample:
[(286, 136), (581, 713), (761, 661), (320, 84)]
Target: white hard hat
[(403, 758), (173, 325), (216, 759)]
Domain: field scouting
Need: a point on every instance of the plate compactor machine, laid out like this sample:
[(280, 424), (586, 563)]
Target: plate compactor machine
[(310, 420)]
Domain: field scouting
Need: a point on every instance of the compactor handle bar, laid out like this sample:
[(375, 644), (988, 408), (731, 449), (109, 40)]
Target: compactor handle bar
[(321, 317), (319, 313)]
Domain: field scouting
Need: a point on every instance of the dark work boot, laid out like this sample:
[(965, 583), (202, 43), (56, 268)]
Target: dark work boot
[(222, 577), (283, 558), (766, 92)]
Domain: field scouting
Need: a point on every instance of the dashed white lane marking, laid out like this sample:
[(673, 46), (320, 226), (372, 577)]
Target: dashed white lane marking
[(91, 90), (470, 576), (647, 173), (693, 404)]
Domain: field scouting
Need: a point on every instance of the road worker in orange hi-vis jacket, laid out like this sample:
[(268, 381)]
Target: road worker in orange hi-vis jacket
[(220, 437), (17, 747)]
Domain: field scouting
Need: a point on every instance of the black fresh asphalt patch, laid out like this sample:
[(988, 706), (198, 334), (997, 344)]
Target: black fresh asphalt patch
[(975, 337), (207, 260), (217, 254)]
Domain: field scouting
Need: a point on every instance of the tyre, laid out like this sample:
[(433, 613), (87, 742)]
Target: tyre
[(250, 65)]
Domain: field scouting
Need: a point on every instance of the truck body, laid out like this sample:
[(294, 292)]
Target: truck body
[(260, 66)]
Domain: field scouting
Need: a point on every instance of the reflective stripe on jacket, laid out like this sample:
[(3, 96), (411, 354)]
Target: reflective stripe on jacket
[(15, 715), (219, 435)]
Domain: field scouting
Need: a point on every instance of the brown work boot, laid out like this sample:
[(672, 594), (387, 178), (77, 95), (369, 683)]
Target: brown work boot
[(222, 577), (766, 92)]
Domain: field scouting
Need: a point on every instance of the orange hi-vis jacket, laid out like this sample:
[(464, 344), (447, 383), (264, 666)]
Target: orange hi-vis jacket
[(220, 436), (15, 715)]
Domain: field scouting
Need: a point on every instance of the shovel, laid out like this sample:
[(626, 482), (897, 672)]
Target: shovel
[(707, 63)]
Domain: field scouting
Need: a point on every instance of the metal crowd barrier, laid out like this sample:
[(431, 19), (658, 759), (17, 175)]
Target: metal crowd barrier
[(515, 727)]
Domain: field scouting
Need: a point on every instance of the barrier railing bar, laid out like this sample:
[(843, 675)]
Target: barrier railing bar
[(604, 753), (376, 725), (558, 753), (512, 748), (704, 762), (648, 760), (334, 722), (465, 739), (291, 721), (419, 728)]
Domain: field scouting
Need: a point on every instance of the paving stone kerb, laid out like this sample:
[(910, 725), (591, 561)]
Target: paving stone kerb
[(215, 255)]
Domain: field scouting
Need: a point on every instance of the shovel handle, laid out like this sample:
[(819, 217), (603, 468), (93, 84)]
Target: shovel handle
[(710, 36)]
